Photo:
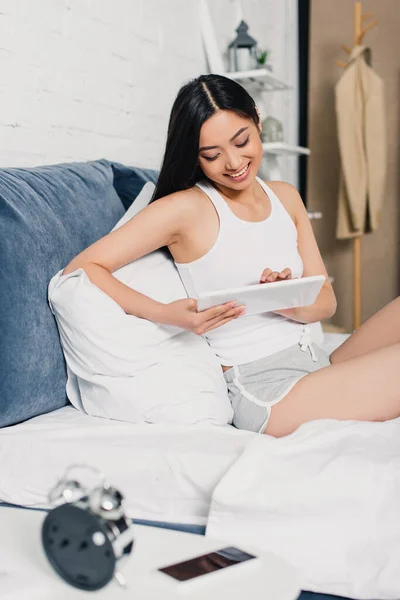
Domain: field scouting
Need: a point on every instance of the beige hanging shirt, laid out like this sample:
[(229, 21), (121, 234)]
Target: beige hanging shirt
[(362, 145)]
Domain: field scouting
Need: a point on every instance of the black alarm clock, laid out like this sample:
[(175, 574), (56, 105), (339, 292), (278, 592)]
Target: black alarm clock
[(86, 534)]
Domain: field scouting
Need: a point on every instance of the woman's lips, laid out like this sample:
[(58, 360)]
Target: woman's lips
[(241, 177)]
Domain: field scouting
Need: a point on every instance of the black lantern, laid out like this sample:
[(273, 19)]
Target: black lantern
[(242, 51)]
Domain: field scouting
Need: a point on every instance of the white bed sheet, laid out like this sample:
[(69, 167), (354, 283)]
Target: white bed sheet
[(166, 473), (326, 499)]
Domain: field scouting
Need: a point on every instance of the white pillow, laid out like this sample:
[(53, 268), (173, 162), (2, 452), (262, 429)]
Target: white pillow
[(122, 367), (141, 201)]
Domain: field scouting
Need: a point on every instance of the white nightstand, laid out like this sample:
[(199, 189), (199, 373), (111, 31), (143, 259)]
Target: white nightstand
[(25, 573)]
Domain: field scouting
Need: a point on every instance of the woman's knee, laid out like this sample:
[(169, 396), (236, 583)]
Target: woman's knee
[(280, 427), (278, 432)]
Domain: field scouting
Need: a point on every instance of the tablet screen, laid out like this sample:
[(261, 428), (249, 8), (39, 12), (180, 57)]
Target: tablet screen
[(265, 297)]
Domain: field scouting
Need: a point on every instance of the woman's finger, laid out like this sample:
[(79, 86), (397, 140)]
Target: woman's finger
[(221, 322), (232, 314), (273, 276), (264, 275), (285, 274), (215, 311)]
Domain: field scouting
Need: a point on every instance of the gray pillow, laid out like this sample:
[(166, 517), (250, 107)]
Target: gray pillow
[(47, 216)]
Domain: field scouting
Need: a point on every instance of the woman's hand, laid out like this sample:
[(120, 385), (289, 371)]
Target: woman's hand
[(268, 275), (183, 313)]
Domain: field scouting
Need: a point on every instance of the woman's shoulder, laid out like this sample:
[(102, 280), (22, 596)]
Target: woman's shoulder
[(283, 190), (184, 200), (184, 204), (289, 197)]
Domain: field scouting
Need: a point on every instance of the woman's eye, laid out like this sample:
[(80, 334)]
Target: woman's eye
[(211, 158), (244, 143)]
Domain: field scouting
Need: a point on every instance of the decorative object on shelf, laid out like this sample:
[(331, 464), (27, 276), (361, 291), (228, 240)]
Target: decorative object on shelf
[(272, 130), (87, 533), (262, 59), (242, 51), (257, 76)]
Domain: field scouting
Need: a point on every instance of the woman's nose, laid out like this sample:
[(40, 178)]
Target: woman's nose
[(233, 161)]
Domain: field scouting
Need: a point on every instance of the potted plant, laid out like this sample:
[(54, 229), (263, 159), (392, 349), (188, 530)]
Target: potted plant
[(262, 56)]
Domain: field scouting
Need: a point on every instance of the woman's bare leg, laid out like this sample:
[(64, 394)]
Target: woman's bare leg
[(382, 329), (364, 388)]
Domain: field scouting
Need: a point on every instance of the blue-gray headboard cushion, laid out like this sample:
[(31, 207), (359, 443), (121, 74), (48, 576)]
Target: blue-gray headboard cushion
[(128, 181), (47, 216)]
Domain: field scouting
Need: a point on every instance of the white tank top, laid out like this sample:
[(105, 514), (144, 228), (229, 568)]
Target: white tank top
[(241, 252)]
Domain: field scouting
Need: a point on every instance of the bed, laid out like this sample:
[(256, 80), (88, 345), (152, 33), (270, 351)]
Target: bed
[(324, 498), (167, 473), (179, 476)]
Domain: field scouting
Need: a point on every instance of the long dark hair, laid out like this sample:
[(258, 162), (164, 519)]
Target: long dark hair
[(196, 102)]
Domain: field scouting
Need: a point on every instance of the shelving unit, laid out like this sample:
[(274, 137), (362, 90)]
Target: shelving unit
[(261, 77), (312, 215), (268, 82), (274, 149), (284, 149)]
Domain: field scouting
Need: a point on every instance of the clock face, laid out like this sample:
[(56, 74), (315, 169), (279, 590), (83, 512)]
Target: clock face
[(77, 544)]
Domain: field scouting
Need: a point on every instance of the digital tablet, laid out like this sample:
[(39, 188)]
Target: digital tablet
[(265, 297)]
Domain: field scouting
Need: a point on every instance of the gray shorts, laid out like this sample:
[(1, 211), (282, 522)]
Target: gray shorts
[(255, 387)]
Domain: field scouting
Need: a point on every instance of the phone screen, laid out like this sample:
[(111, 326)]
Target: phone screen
[(207, 563)]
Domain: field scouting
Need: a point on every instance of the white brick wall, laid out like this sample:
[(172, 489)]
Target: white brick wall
[(84, 79)]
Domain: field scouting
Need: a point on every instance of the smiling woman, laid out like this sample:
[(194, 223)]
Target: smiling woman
[(198, 134), (227, 228), (238, 156)]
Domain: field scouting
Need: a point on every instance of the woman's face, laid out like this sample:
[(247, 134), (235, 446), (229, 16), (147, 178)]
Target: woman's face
[(230, 150)]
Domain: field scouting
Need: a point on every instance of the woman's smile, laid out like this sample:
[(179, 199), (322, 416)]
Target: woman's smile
[(240, 175)]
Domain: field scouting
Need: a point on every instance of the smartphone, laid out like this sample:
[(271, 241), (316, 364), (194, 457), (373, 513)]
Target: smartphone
[(207, 563)]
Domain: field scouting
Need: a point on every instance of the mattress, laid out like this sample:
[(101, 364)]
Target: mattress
[(166, 473)]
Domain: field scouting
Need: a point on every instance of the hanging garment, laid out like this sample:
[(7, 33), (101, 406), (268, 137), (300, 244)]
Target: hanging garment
[(362, 145)]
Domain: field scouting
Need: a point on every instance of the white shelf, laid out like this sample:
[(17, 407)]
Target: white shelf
[(314, 215), (284, 149), (262, 77)]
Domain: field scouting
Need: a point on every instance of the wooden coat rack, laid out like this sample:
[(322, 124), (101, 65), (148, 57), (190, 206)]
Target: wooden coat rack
[(360, 29)]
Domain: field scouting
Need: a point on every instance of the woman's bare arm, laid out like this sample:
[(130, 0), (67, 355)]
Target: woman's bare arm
[(155, 226), (325, 305)]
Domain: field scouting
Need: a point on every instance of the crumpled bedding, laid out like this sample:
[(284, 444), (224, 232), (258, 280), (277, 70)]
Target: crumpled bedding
[(326, 498)]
